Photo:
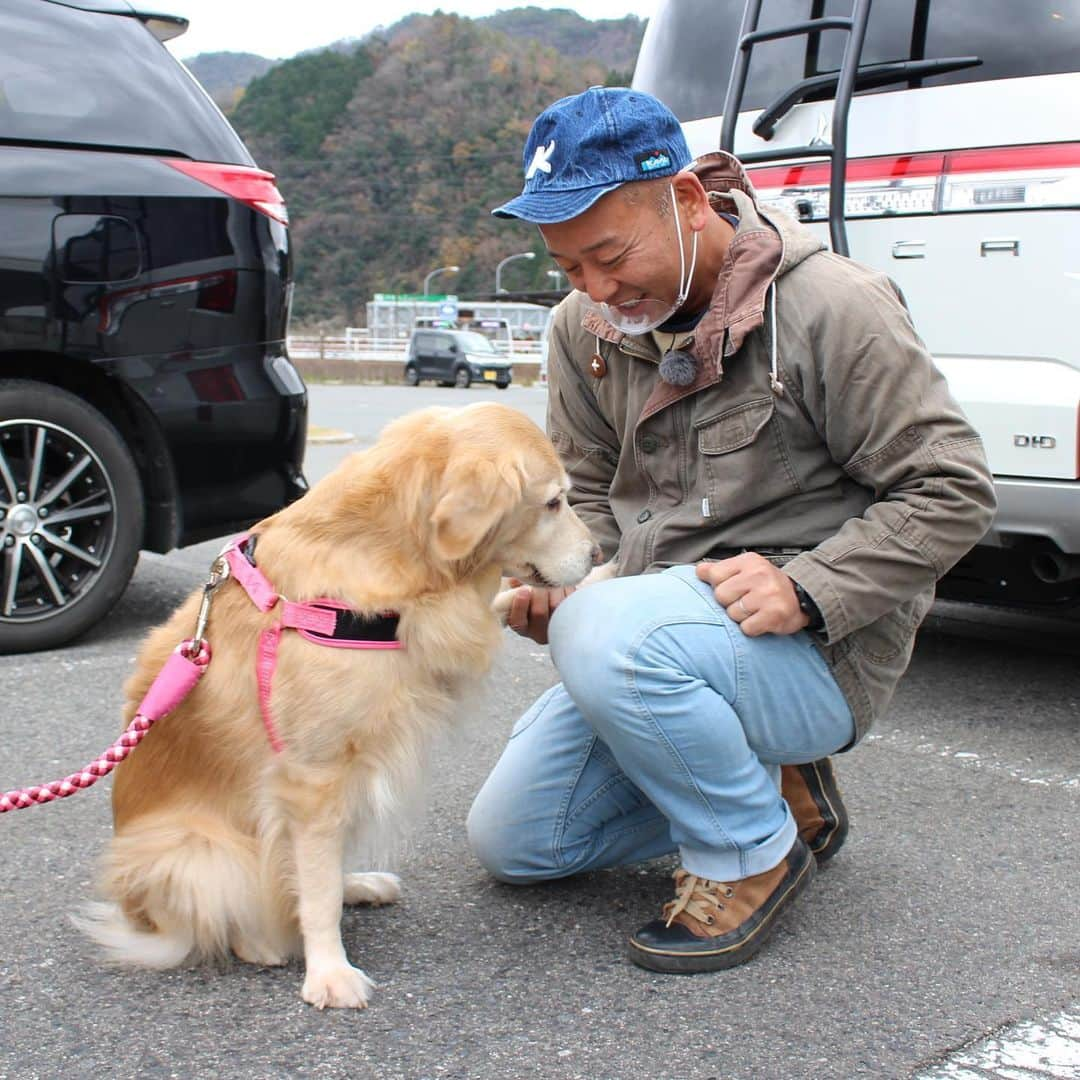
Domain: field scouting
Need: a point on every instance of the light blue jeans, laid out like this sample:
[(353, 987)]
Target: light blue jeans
[(667, 733)]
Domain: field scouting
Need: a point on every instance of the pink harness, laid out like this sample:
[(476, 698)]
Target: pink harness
[(316, 620), (325, 622)]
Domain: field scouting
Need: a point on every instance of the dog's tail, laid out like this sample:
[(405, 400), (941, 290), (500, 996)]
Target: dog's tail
[(180, 892), (125, 945)]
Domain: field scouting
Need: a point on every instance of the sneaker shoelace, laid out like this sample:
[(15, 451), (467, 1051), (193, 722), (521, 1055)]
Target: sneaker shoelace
[(697, 897)]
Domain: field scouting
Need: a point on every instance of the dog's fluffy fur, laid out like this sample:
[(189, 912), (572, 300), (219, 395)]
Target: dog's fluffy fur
[(222, 846)]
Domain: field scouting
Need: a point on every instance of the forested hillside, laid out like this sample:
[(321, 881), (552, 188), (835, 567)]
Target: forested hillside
[(391, 156)]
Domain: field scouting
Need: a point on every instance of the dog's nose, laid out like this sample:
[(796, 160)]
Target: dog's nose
[(597, 555)]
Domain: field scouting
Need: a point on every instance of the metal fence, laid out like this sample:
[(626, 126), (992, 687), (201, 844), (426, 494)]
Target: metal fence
[(359, 344)]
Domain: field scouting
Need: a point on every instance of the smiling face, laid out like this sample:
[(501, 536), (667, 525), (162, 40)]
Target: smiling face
[(625, 249)]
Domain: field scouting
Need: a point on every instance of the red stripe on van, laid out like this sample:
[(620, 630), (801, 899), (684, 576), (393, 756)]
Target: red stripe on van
[(994, 159), (1015, 158), (817, 173)]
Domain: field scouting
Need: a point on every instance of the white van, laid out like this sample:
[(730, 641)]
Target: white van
[(962, 147)]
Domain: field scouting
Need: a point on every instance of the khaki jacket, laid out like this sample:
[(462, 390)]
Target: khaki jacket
[(844, 458)]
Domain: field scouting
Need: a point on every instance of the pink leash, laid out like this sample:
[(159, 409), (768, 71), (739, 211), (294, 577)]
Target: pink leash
[(173, 683)]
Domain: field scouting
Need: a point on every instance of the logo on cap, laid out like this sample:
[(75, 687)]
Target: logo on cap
[(653, 160), (541, 161)]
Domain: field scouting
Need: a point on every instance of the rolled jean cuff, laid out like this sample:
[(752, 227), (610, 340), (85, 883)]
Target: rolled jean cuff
[(734, 865)]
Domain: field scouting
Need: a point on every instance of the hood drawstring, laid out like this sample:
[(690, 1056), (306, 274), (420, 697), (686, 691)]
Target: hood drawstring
[(598, 365), (774, 378)]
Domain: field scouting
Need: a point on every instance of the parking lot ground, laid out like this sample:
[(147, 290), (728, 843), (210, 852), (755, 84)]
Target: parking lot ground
[(948, 920)]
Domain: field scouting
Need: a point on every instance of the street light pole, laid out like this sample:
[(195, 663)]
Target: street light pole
[(510, 258), (439, 270)]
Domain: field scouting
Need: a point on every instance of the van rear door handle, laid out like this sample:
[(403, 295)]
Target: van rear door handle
[(988, 246), (906, 249)]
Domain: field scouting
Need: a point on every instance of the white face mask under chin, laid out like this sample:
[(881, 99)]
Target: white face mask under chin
[(647, 314)]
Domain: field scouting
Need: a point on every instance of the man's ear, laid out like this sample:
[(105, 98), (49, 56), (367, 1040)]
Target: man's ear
[(693, 199), (474, 498)]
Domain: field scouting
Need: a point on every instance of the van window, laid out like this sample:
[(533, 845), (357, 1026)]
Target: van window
[(85, 78), (689, 45)]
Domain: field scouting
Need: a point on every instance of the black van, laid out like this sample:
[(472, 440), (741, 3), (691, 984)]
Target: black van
[(146, 397)]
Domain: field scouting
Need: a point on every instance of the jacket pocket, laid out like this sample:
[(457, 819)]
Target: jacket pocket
[(744, 465)]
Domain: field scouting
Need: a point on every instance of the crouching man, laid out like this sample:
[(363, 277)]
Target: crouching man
[(756, 432)]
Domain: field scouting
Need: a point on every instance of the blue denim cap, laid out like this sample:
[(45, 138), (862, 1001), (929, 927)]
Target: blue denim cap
[(586, 145)]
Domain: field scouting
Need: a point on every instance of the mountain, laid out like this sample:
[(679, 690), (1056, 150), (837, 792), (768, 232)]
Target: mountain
[(391, 156), (225, 74), (611, 42)]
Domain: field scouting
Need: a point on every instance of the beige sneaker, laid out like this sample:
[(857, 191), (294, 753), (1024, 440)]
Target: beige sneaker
[(715, 924)]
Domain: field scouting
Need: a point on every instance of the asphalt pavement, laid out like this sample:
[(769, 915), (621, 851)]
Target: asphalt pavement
[(950, 913)]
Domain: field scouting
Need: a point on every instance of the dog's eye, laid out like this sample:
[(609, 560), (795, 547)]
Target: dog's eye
[(555, 503)]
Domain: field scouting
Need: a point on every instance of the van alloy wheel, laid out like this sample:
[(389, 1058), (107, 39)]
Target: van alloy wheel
[(71, 516)]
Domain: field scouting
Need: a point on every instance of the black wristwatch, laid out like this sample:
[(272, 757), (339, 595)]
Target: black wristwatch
[(809, 608)]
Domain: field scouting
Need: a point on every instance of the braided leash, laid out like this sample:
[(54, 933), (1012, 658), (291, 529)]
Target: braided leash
[(91, 774), (174, 682)]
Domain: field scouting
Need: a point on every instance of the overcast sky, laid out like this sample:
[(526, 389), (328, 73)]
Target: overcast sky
[(280, 30)]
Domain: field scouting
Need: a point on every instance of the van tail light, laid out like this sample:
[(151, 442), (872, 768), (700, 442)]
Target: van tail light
[(215, 291), (1004, 178), (1014, 177), (246, 184), (218, 293)]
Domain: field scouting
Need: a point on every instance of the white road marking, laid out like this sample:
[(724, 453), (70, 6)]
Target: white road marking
[(969, 759), (1031, 1050)]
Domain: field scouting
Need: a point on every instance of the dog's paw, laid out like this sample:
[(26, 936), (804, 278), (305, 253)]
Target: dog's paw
[(605, 572), (372, 889), (339, 987), (500, 606)]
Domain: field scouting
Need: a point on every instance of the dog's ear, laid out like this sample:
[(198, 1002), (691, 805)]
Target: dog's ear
[(474, 499)]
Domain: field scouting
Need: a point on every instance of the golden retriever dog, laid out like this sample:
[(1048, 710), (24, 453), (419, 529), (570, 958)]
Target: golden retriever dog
[(225, 846)]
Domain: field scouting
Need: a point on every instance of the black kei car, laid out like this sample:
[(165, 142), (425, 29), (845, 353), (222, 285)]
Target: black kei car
[(455, 358), (147, 400)]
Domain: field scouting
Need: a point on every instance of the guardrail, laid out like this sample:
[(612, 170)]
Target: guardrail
[(361, 347)]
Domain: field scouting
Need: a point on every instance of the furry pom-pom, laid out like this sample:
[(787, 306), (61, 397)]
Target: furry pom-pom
[(678, 368)]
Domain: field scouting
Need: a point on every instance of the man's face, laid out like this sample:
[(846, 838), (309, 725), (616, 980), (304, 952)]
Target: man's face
[(623, 249)]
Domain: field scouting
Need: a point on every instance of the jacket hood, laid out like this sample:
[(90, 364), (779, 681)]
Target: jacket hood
[(766, 245)]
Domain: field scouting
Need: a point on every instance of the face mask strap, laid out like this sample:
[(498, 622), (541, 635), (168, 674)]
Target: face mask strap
[(684, 285), (682, 247)]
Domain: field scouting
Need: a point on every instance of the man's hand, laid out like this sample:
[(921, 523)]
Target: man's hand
[(531, 609), (757, 595)]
